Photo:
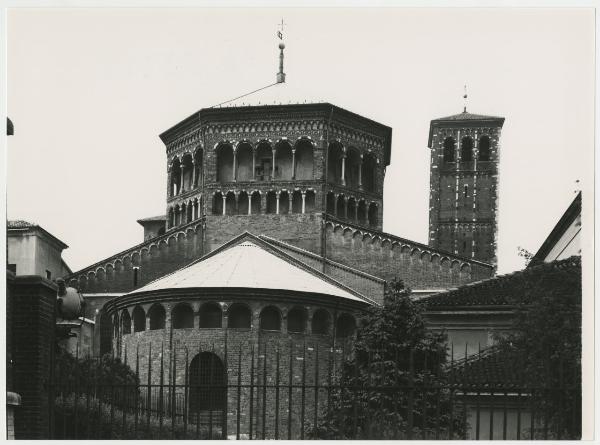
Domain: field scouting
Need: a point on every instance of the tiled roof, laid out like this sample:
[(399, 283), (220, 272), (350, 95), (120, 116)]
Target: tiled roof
[(464, 116), (490, 368), (505, 290), (18, 224), (245, 263)]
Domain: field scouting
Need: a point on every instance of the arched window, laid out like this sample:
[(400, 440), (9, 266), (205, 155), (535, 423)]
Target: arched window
[(351, 208), (466, 149), (331, 203), (230, 207), (139, 319), (239, 316), (283, 160), (125, 322), (242, 204), (171, 217), (321, 322), (217, 204), (271, 202), (187, 170), (182, 316), (208, 391), (175, 177), (198, 158), (264, 159), (449, 148), (211, 315), (341, 206), (284, 203), (362, 212), (345, 326), (256, 205), (484, 148), (304, 159), (352, 168), (244, 162), (373, 217), (334, 163), (270, 319), (224, 163), (189, 212), (309, 201), (297, 201), (296, 320), (183, 213), (157, 317), (369, 172)]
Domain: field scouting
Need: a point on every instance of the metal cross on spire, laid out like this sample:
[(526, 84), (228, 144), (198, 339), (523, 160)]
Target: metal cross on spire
[(465, 99)]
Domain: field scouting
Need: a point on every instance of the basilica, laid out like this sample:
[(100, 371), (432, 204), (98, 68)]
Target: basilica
[(305, 183)]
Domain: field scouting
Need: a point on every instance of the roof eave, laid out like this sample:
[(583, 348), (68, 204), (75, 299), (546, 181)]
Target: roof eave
[(455, 122)]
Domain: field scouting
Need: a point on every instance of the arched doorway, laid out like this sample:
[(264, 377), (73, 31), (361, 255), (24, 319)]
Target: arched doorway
[(208, 391)]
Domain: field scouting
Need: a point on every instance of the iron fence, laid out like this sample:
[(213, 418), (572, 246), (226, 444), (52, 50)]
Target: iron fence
[(254, 395)]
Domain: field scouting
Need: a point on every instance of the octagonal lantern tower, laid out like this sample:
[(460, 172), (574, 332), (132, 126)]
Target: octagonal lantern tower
[(275, 169)]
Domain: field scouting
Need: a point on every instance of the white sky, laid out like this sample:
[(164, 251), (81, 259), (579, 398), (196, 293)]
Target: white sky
[(90, 90)]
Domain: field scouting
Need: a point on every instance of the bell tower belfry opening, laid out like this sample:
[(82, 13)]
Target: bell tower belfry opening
[(463, 197)]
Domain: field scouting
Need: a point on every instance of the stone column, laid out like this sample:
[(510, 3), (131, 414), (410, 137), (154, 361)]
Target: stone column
[(253, 164), (249, 204), (234, 164), (169, 182), (345, 207), (290, 201), (344, 169), (304, 202), (294, 163), (360, 164), (224, 204), (355, 211), (181, 169), (194, 185), (273, 165), (277, 203)]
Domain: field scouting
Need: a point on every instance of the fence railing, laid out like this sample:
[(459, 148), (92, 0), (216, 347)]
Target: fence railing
[(287, 396)]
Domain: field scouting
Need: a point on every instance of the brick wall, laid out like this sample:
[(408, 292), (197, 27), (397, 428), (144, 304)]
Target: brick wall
[(253, 352), (33, 325), (388, 257), (302, 230)]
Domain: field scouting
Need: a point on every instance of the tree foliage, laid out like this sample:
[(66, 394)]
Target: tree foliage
[(105, 372), (545, 344), (390, 387)]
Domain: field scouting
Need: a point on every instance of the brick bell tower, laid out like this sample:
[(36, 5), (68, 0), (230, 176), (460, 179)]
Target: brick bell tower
[(463, 198)]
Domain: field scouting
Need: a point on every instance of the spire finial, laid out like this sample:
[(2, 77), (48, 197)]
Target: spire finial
[(465, 99), (281, 74)]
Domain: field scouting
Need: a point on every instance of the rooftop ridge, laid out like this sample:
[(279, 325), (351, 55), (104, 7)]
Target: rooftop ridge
[(320, 258), (273, 250)]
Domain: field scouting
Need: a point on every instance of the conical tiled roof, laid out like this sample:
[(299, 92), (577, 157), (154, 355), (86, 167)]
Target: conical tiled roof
[(464, 116), (470, 118), (246, 262)]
